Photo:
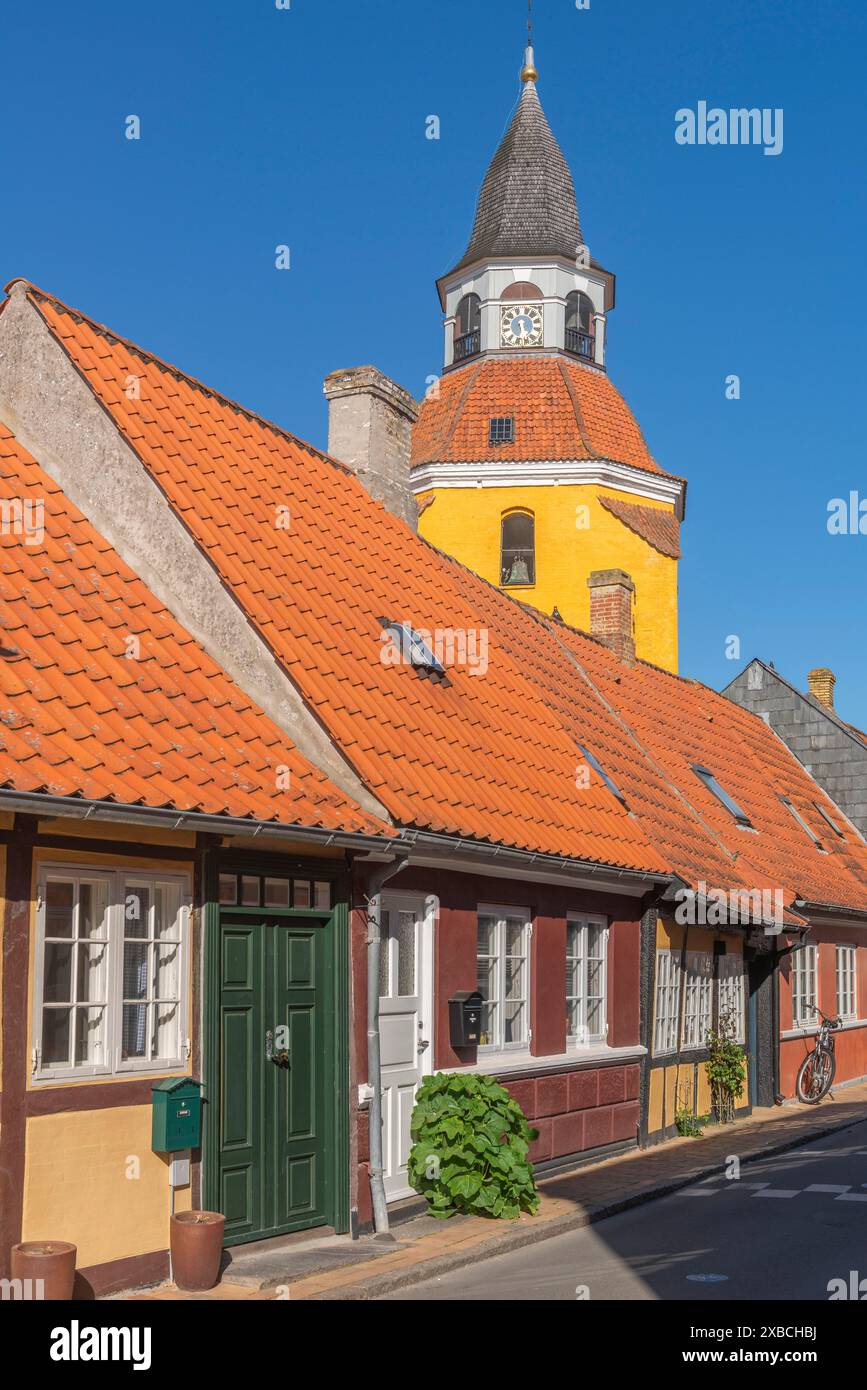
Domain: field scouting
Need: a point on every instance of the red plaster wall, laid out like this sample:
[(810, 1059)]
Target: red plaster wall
[(573, 1110), (624, 982), (548, 986), (850, 1043), (578, 1110), (455, 953)]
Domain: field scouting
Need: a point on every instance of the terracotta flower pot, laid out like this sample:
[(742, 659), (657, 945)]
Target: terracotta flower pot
[(52, 1261), (197, 1245)]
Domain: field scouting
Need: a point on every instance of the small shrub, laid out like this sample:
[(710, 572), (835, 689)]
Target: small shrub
[(470, 1145), (689, 1126)]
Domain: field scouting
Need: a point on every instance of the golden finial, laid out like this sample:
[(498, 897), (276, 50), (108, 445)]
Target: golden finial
[(528, 72)]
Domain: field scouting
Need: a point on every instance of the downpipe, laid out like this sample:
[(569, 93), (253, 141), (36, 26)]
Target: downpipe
[(373, 900)]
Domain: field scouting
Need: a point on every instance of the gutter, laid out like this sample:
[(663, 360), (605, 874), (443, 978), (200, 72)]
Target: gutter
[(75, 808)]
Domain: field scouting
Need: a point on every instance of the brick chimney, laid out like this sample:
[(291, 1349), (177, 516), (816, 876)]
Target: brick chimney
[(612, 617), (821, 682), (370, 420)]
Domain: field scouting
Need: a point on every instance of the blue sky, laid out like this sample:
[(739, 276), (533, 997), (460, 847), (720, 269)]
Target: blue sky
[(306, 127)]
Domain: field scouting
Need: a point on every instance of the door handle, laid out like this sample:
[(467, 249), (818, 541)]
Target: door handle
[(280, 1057)]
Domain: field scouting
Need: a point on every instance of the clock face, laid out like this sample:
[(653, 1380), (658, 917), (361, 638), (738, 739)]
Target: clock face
[(521, 325)]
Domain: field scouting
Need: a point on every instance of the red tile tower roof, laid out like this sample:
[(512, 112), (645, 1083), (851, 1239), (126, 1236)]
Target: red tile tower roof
[(562, 410)]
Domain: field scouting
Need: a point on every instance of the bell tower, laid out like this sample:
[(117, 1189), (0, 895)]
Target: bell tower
[(527, 464)]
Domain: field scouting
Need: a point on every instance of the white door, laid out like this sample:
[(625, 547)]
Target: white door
[(404, 1027)]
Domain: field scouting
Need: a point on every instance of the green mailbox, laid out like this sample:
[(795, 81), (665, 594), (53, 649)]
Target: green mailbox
[(177, 1114)]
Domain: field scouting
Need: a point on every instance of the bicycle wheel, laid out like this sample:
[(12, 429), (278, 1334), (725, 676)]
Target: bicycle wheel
[(815, 1075)]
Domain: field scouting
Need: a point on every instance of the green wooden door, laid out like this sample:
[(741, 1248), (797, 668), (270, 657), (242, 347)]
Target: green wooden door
[(277, 1076)]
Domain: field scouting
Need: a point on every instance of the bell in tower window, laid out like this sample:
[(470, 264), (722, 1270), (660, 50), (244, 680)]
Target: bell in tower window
[(579, 325), (518, 549)]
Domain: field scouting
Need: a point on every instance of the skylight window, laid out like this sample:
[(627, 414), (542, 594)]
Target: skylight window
[(502, 430), (722, 795), (825, 817), (413, 647), (597, 768), (793, 810)]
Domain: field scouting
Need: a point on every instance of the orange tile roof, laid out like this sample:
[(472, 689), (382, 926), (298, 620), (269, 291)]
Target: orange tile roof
[(562, 410), (490, 757), (658, 526), (680, 723), (443, 758), (81, 718)]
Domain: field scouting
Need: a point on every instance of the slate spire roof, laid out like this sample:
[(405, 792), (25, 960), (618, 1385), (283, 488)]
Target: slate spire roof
[(527, 204)]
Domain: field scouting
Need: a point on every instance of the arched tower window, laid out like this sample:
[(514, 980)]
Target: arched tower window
[(521, 290), (518, 549), (468, 327), (579, 325)]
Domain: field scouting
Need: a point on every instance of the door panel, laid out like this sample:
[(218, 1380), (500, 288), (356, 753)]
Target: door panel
[(404, 1037), (275, 1113)]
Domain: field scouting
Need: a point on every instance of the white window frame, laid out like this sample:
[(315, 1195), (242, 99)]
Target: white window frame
[(731, 993), (805, 965), (846, 974), (666, 1002), (115, 882), (698, 1000), (502, 915), (585, 923)]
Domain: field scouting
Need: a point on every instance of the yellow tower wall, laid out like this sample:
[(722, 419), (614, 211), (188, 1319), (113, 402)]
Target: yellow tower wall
[(575, 535)]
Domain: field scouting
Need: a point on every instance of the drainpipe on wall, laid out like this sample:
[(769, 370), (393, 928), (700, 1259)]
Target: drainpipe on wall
[(373, 898)]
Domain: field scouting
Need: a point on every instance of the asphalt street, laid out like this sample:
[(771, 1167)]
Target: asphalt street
[(783, 1229)]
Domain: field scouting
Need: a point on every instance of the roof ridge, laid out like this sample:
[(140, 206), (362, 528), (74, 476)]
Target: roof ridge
[(576, 406), (851, 729), (35, 293)]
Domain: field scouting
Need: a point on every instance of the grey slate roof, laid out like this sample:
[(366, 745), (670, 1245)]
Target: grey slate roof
[(834, 752), (527, 204)]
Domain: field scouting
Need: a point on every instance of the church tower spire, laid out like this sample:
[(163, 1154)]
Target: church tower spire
[(527, 247), (527, 464)]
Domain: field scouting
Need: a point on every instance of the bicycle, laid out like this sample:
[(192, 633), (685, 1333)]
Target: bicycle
[(816, 1072)]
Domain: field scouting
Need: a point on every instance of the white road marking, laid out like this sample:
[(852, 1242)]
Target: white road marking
[(758, 1185), (851, 1197), (829, 1187), (778, 1192)]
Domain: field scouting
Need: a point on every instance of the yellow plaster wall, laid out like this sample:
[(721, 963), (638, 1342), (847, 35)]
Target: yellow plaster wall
[(465, 522), (90, 1177), (665, 1080)]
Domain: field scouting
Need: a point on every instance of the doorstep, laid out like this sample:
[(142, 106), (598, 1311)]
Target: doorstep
[(424, 1247)]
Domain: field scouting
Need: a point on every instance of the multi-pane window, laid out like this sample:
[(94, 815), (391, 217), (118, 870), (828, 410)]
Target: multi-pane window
[(731, 997), (397, 954), (847, 1006), (698, 998), (501, 429), (75, 987), (586, 946), (152, 942), (804, 986), (110, 973), (503, 971), (667, 1010), (253, 890)]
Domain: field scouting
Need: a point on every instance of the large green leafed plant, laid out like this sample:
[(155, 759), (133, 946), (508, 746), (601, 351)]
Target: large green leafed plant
[(470, 1148)]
